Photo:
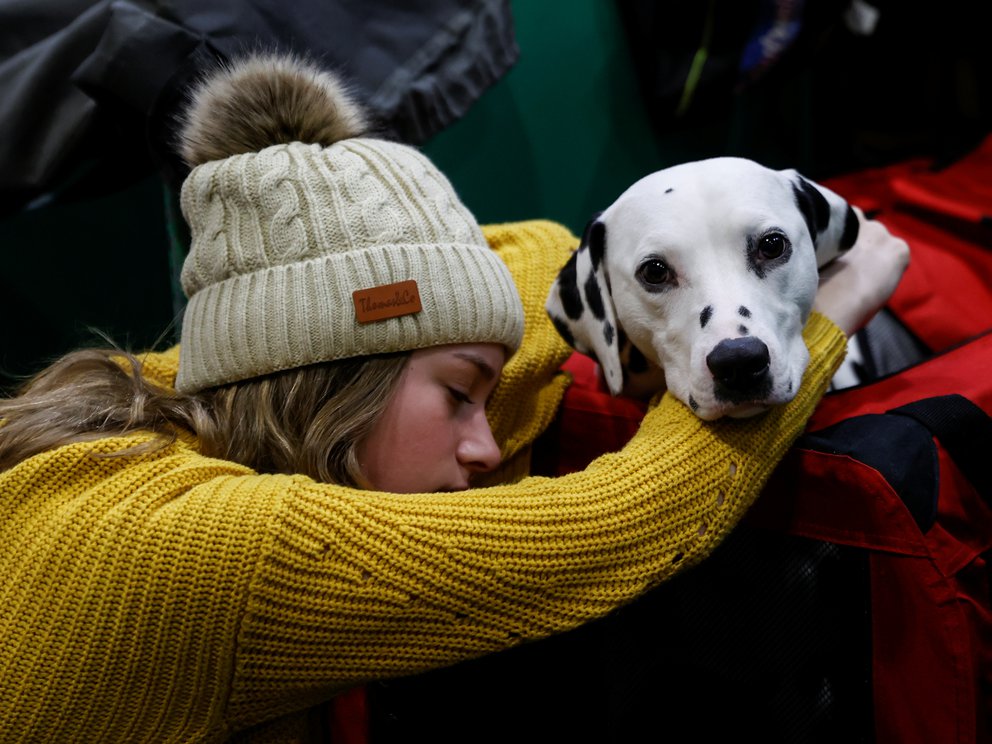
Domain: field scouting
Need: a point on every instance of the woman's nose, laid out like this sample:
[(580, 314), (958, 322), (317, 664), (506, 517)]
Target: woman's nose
[(477, 449)]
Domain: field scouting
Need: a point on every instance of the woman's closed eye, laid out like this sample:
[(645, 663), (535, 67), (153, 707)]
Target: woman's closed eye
[(459, 395)]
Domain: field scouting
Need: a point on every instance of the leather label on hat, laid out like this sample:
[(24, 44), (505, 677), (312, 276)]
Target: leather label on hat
[(387, 301)]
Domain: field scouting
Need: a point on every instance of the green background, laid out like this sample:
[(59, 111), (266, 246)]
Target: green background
[(559, 137), (564, 132)]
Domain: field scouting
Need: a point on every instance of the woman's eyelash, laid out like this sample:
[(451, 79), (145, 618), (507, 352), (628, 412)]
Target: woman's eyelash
[(459, 395)]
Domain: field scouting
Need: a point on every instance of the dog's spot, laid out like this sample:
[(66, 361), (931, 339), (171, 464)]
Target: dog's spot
[(851, 228), (563, 330), (594, 297), (813, 205), (693, 404), (789, 388), (742, 329), (608, 333), (594, 238), (669, 190), (568, 288), (636, 361), (743, 312), (705, 315)]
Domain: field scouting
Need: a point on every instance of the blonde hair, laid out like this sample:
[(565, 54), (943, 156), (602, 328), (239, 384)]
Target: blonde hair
[(307, 420)]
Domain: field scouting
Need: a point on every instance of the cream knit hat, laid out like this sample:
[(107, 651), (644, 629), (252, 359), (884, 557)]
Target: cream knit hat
[(310, 244)]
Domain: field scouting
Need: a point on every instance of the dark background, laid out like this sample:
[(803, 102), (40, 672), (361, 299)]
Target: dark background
[(595, 101)]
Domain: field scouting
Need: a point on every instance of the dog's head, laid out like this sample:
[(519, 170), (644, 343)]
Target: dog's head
[(701, 277)]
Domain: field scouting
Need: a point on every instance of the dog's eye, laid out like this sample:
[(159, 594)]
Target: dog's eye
[(654, 272), (772, 245)]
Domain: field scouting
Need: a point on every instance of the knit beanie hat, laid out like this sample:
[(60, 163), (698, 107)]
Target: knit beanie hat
[(312, 243)]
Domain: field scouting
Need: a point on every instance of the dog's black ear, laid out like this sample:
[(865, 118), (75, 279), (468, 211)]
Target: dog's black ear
[(813, 205), (581, 307), (851, 229), (594, 236), (833, 225)]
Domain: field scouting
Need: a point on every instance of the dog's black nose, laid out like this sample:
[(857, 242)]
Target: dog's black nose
[(739, 364)]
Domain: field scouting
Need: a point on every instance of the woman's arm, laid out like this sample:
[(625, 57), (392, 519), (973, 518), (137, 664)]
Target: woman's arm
[(360, 585), (172, 596), (468, 573)]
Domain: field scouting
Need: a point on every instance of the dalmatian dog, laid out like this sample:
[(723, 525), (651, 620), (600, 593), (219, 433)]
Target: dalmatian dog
[(699, 278)]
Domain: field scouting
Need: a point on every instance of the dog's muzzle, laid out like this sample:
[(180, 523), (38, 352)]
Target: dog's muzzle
[(740, 368)]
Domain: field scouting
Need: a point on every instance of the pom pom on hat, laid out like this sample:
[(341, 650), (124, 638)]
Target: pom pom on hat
[(311, 243), (267, 100)]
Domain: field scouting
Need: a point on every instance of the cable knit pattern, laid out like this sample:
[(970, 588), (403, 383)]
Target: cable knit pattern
[(278, 193), (170, 597)]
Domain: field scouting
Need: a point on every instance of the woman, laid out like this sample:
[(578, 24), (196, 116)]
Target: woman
[(204, 544)]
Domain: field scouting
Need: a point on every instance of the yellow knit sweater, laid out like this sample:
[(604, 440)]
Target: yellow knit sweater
[(171, 597)]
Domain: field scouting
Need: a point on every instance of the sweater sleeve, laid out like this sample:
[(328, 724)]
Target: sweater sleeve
[(170, 596), (354, 586)]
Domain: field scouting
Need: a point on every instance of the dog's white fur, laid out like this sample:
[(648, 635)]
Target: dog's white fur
[(711, 224)]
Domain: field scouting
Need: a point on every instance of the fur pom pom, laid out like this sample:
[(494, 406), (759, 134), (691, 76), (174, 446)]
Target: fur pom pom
[(265, 100)]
